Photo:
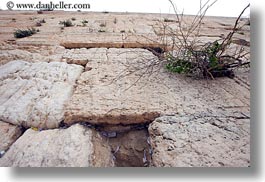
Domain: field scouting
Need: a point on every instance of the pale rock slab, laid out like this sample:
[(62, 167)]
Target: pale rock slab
[(8, 135), (200, 141), (34, 94), (118, 87), (76, 146)]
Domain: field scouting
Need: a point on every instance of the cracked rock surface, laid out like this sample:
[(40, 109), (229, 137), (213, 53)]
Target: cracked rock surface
[(8, 135), (72, 147), (110, 91), (34, 94), (200, 141), (102, 98)]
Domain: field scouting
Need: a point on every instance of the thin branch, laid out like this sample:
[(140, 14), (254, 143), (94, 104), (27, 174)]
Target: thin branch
[(228, 38)]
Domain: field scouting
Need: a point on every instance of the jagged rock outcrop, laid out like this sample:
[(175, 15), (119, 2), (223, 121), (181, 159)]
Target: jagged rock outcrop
[(76, 146)]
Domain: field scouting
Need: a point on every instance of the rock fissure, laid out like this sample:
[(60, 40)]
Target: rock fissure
[(129, 143), (123, 146)]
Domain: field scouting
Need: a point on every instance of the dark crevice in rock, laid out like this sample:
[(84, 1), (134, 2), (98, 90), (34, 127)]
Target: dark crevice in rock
[(155, 48), (130, 145), (131, 149), (78, 45), (241, 42), (19, 133)]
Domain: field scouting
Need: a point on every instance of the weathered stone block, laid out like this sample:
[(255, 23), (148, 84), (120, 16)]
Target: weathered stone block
[(200, 142), (34, 94), (76, 146)]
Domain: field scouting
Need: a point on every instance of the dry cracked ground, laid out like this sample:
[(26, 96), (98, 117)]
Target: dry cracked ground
[(69, 99)]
